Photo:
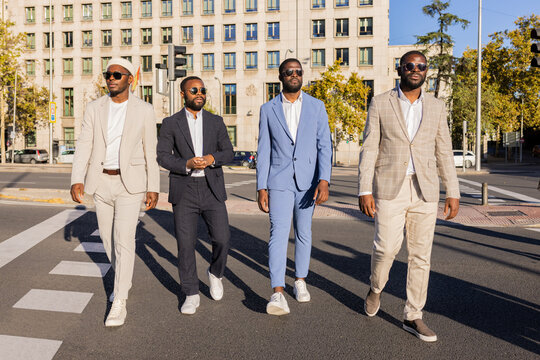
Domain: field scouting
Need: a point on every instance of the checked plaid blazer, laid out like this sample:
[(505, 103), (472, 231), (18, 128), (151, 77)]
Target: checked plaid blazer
[(385, 154)]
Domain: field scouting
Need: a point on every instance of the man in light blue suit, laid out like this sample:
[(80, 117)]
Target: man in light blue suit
[(294, 163)]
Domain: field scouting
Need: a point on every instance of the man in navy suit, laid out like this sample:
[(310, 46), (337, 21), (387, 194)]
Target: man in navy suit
[(294, 163)]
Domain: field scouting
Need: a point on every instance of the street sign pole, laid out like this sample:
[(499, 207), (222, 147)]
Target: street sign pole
[(51, 39)]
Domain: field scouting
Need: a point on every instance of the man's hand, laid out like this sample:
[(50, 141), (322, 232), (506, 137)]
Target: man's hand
[(321, 192), (151, 200), (453, 205), (196, 163), (77, 192), (367, 205), (208, 159), (262, 200)]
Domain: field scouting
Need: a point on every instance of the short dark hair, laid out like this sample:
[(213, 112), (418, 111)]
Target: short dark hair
[(409, 53), (185, 81), (286, 61)]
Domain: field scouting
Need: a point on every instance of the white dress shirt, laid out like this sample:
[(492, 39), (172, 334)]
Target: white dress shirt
[(115, 127), (196, 130), (292, 112)]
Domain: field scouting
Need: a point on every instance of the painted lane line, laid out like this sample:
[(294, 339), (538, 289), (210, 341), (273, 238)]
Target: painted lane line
[(17, 182), (78, 268), (534, 229), (90, 247), (24, 348), (54, 300), (17, 245), (515, 195)]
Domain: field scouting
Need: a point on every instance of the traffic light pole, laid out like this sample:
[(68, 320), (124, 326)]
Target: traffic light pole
[(171, 97)]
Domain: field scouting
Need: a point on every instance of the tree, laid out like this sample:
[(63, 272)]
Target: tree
[(345, 100), (32, 106), (439, 42)]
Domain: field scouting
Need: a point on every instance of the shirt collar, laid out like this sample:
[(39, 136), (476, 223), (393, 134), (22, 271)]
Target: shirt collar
[(190, 116), (402, 96), (286, 101)]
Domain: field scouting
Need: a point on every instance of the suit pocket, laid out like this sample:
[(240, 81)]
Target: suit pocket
[(138, 161)]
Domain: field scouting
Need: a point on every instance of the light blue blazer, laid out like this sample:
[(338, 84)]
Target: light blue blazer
[(280, 159)]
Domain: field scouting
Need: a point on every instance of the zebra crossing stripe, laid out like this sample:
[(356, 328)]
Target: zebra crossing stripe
[(81, 268), (54, 300), (24, 348)]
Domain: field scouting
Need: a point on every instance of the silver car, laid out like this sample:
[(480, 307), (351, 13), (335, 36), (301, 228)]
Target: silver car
[(32, 156)]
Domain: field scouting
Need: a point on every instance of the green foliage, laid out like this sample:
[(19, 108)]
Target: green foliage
[(32, 106), (11, 48)]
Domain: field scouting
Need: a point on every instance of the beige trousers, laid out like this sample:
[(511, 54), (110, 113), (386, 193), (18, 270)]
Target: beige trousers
[(407, 210), (117, 214)]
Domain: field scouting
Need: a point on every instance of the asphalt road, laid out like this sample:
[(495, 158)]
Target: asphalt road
[(483, 297)]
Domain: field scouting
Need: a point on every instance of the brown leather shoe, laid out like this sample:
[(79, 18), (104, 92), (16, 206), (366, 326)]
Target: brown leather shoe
[(419, 329), (372, 303)]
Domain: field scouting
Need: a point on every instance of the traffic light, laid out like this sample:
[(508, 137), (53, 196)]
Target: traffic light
[(535, 48), (172, 62)]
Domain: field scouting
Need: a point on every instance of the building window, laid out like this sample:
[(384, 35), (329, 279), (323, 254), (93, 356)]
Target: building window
[(47, 39), (251, 60), (251, 31), (106, 37), (68, 12), (48, 14), (342, 27), (208, 7), (230, 32), (106, 11), (30, 67), (146, 61), (68, 39), (187, 34), (396, 63), (272, 5), (251, 5), (166, 7), (187, 7), (166, 35), (230, 61), (87, 39), (365, 2), (146, 8), (272, 59), (30, 14), (208, 61), (126, 36), (273, 31), (229, 6), (147, 94), (128, 58), (365, 56), (104, 62), (231, 131), (146, 36), (318, 57), (69, 137), (432, 84), (366, 26), (318, 28), (208, 33), (68, 66), (30, 41), (189, 62), (272, 90), (68, 101), (342, 3), (230, 99), (371, 85), (343, 56), (318, 4), (30, 139), (87, 66), (127, 10), (87, 12)]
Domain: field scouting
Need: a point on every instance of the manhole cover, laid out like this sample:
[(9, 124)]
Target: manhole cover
[(505, 213)]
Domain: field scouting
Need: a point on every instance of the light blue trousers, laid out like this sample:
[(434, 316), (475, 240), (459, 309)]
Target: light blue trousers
[(287, 205)]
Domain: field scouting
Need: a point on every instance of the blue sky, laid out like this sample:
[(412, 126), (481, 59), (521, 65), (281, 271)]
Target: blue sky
[(407, 19)]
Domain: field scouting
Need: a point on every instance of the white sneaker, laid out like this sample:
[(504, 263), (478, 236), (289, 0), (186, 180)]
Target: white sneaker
[(277, 305), (216, 287), (111, 297), (189, 307), (300, 291), (118, 313)]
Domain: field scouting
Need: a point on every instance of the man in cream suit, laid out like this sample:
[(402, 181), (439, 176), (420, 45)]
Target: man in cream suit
[(406, 148), (115, 161)]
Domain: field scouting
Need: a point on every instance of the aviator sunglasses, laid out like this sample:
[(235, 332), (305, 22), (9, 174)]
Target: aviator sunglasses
[(289, 72), (117, 75), (410, 66), (195, 90)]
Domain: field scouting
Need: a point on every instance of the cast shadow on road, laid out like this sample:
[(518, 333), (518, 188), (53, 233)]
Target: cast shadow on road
[(14, 181)]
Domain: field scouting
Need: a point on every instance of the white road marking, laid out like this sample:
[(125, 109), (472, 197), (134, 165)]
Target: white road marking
[(24, 241), (240, 183), (25, 348), (534, 229), (90, 247), (54, 300), (17, 182), (95, 233), (77, 268), (515, 195)]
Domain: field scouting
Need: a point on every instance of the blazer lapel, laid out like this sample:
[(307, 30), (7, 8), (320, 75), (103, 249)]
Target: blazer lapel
[(104, 118), (131, 124), (184, 128), (207, 131), (278, 110), (394, 101), (304, 118)]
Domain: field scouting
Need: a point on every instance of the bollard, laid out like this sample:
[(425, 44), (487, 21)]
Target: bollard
[(485, 194)]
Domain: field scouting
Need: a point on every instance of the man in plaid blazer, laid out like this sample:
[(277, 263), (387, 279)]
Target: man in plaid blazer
[(406, 148)]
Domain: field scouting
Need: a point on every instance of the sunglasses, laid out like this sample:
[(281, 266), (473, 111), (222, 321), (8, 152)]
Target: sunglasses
[(410, 66), (289, 72), (117, 75), (195, 90)]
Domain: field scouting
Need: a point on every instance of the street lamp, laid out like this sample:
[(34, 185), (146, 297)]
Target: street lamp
[(220, 86)]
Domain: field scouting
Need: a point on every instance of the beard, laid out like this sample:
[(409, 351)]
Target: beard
[(193, 105), (292, 88), (412, 84)]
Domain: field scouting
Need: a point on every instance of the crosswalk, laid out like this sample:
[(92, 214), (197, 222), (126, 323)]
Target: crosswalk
[(474, 193), (240, 183)]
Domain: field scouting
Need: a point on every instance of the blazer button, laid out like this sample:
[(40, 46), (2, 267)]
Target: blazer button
[(292, 144), (294, 159), (101, 163)]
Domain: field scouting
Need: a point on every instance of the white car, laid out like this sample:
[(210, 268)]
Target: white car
[(66, 157), (469, 158)]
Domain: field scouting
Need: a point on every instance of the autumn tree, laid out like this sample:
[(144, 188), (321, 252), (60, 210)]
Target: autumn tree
[(32, 106)]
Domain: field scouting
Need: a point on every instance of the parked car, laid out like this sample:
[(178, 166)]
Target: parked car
[(245, 158), (32, 156), (66, 157), (536, 151), (469, 158), (9, 154)]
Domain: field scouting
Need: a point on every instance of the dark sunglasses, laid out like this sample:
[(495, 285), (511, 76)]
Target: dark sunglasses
[(117, 75), (195, 90), (410, 66), (289, 72)]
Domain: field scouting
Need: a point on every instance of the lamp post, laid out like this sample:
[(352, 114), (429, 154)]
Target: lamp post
[(479, 90), (13, 136), (51, 39), (220, 97)]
